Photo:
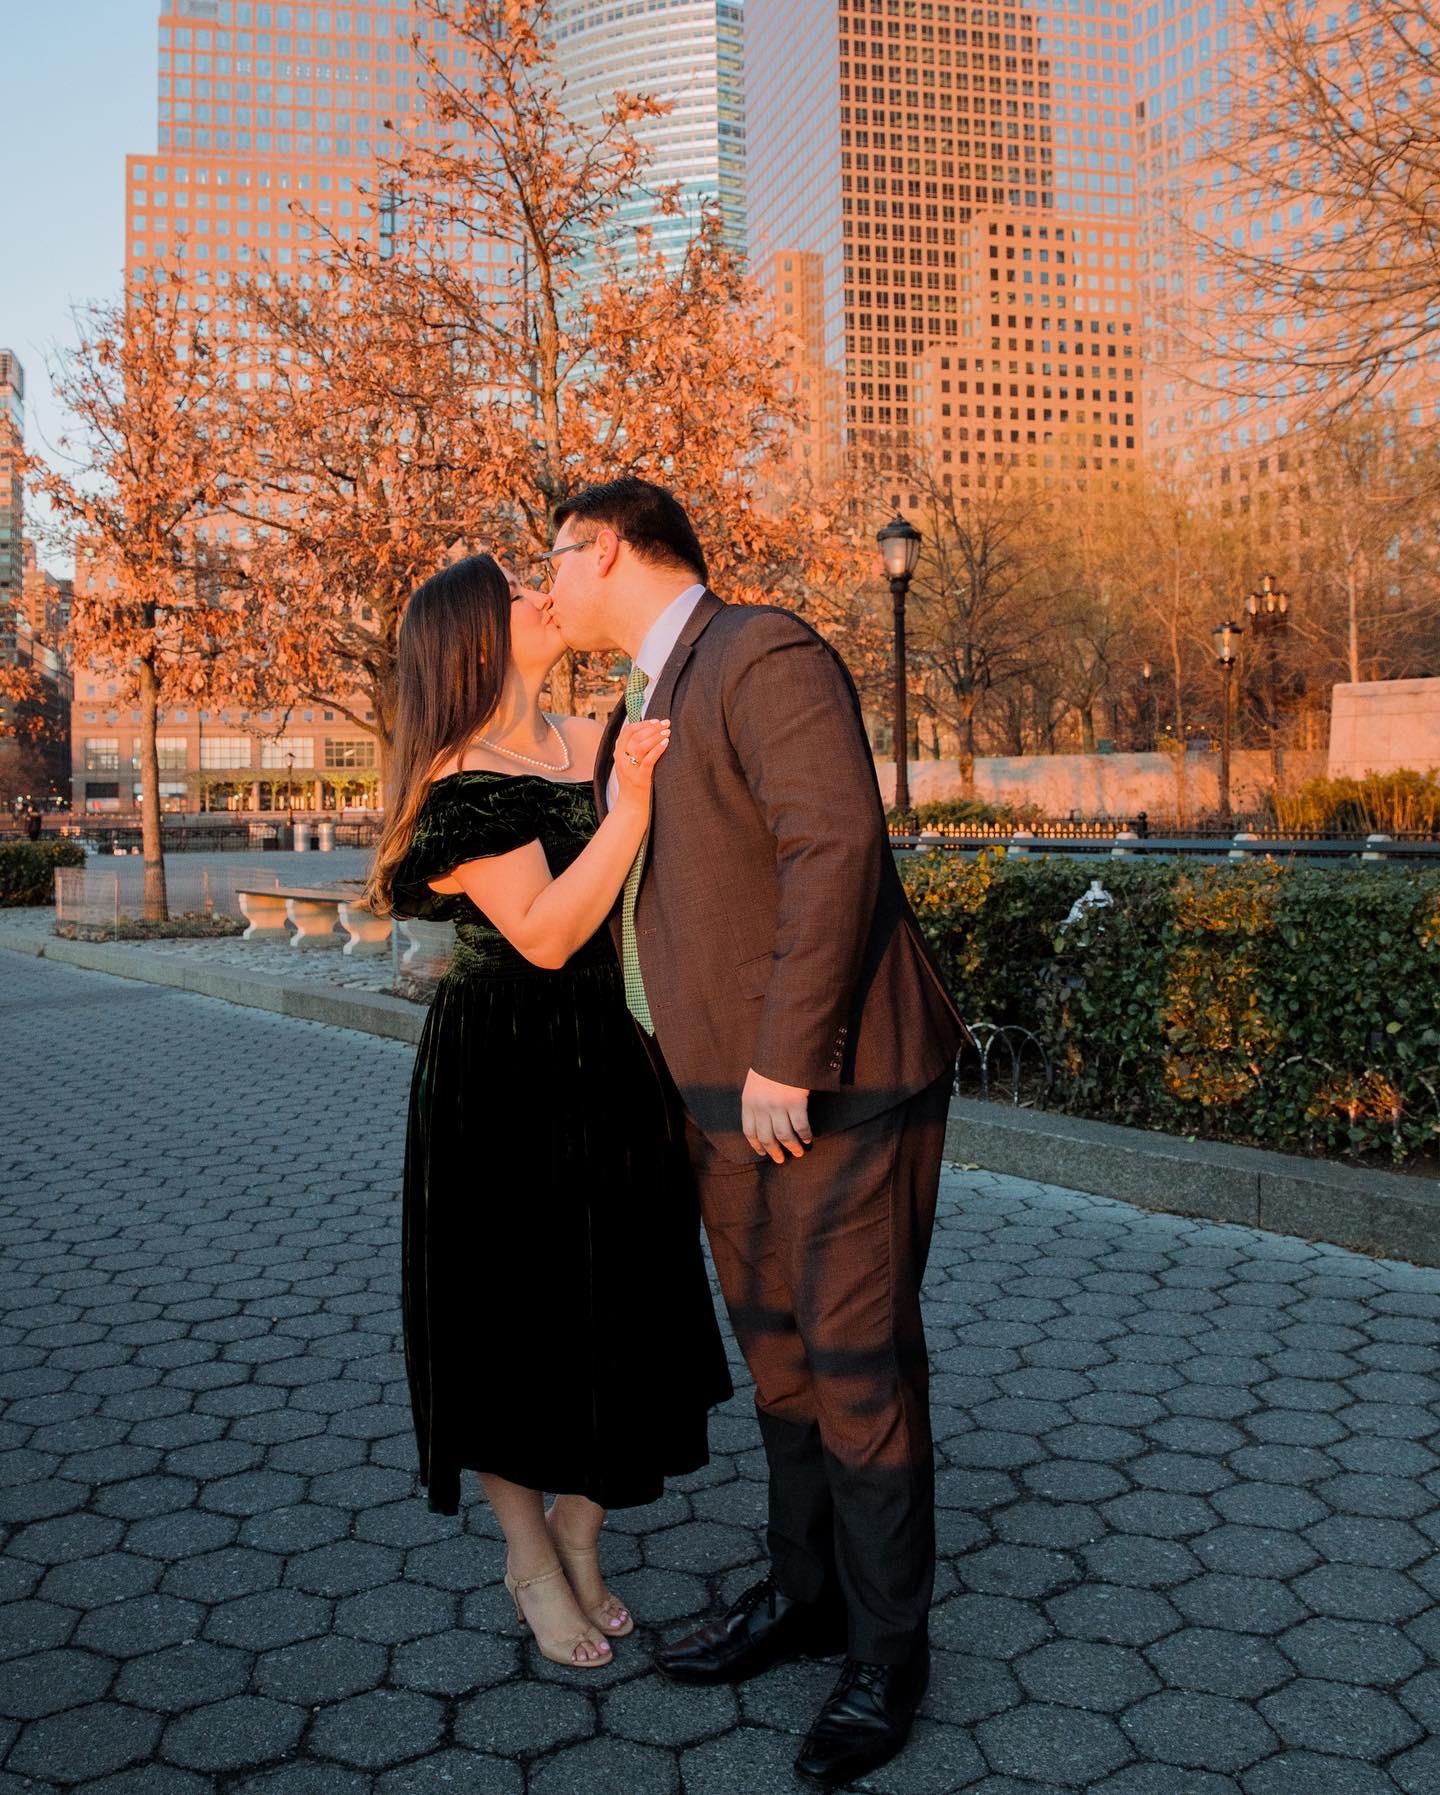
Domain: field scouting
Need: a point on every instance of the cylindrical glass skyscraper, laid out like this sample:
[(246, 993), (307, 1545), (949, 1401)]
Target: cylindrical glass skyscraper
[(686, 52)]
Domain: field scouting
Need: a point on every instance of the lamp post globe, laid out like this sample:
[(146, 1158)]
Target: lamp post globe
[(1226, 637), (900, 551)]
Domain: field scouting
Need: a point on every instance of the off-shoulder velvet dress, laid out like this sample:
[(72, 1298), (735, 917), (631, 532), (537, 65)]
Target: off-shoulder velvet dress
[(559, 1328)]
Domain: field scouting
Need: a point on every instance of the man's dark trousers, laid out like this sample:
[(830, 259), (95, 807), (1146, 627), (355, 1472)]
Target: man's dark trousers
[(820, 1262)]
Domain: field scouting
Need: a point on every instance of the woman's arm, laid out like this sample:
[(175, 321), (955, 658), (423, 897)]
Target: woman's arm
[(547, 918)]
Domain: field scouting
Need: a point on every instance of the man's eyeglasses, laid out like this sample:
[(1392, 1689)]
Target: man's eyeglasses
[(542, 570)]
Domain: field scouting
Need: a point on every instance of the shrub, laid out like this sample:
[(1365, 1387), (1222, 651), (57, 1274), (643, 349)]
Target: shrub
[(1379, 804), (27, 869), (950, 813), (1288, 1006)]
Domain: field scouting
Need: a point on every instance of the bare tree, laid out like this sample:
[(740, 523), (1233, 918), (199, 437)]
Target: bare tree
[(977, 625), (1331, 146)]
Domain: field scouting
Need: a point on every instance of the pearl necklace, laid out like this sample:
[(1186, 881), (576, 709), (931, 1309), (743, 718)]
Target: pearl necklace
[(529, 760)]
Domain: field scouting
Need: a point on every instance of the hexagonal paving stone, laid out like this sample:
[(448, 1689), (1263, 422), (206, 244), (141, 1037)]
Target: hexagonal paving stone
[(990, 1625), (751, 1757), (88, 1741), (183, 1676), (1239, 1604), (1201, 1732), (1212, 1661), (700, 1547), (1355, 1592), (126, 1628), (523, 1719), (272, 1617), (398, 1612), (324, 1669), (452, 1772), (151, 1779), (377, 1729), (1350, 1651), (1053, 1745), (1113, 1615), (1159, 1779), (607, 1764), (1256, 1551), (1018, 1571), (1080, 1674), (1311, 1773), (218, 1576), (49, 1682), (1145, 1563), (1340, 1719), (1159, 1515), (654, 1711), (454, 1663)]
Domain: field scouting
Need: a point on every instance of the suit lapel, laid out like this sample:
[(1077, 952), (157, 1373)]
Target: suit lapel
[(605, 758), (707, 608)]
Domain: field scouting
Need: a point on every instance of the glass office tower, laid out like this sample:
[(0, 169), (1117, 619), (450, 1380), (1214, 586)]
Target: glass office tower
[(688, 53)]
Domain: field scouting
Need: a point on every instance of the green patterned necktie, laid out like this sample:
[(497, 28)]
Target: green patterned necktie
[(629, 954)]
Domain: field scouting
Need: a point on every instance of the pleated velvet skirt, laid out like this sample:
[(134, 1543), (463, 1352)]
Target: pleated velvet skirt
[(558, 1319)]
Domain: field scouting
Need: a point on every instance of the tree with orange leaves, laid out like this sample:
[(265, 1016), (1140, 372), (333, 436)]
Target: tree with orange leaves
[(416, 404), (155, 603), (353, 450)]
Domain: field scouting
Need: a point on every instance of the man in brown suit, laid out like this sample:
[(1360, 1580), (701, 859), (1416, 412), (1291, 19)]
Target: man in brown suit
[(773, 962)]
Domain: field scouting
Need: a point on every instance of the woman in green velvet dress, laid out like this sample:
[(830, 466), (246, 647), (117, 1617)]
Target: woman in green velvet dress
[(559, 1329)]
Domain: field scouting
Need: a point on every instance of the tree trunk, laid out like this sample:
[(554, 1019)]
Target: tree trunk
[(1087, 729), (155, 907), (1352, 624), (967, 746)]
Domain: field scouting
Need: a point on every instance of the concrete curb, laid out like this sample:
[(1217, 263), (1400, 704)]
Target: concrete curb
[(370, 1012), (1369, 1211)]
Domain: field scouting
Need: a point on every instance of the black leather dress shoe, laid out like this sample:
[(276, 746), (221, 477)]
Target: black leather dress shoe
[(763, 1628), (865, 1721)]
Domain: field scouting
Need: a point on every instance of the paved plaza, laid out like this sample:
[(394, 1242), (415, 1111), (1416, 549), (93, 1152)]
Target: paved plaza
[(1189, 1475)]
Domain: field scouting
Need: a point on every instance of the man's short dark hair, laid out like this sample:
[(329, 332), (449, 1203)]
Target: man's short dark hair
[(650, 519)]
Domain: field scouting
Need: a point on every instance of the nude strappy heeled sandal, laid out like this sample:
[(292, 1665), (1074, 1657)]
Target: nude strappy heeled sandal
[(564, 1654), (610, 1627)]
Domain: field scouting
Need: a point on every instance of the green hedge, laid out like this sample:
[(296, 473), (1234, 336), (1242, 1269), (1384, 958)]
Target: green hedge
[(27, 869), (950, 813), (1287, 1006)]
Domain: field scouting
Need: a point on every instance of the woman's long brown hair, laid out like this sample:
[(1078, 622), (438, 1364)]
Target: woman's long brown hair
[(451, 659)]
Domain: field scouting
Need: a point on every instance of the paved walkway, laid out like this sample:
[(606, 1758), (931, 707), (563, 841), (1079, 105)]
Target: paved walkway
[(1189, 1485)]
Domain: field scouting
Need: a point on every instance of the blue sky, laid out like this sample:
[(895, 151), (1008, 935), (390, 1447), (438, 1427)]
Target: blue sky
[(78, 93)]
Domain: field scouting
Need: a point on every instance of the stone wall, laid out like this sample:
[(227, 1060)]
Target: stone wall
[(1097, 785), (1382, 725)]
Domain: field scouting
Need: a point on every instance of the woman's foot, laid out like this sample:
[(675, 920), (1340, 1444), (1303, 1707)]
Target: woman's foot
[(580, 1560), (545, 1602)]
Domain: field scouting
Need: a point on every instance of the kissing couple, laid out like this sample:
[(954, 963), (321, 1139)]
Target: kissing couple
[(686, 985)]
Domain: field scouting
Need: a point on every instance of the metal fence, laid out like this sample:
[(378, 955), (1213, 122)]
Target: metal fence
[(1112, 841), (101, 893)]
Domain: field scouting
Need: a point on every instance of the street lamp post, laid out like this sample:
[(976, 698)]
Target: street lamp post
[(1269, 612), (1226, 637), (900, 549)]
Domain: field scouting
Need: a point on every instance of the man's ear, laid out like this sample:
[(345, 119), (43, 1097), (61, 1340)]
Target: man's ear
[(607, 551)]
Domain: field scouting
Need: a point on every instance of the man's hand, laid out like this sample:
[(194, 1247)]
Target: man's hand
[(775, 1118)]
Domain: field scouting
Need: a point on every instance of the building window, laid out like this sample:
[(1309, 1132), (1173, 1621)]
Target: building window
[(218, 752), (288, 751), (173, 753), (102, 754), (349, 754)]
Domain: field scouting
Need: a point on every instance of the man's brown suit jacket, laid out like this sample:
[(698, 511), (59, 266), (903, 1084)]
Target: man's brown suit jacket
[(771, 924)]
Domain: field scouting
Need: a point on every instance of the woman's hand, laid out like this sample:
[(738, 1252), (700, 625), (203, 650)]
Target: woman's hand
[(637, 748)]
